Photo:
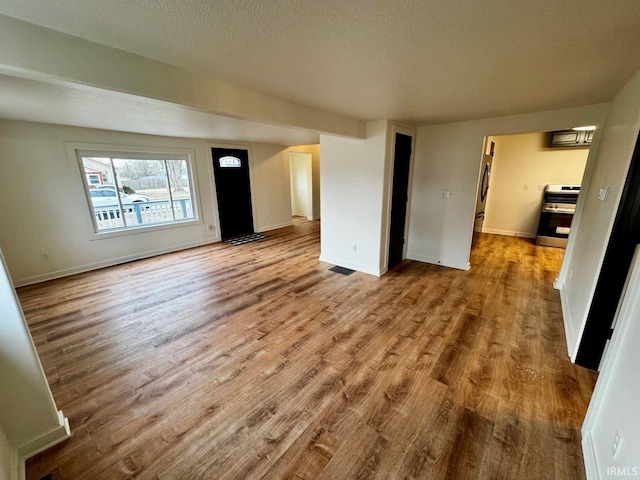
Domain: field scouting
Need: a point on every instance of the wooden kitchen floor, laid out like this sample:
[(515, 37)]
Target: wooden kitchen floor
[(255, 361)]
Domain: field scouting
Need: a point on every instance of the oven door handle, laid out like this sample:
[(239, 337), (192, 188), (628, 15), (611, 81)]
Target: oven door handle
[(558, 210), (484, 188)]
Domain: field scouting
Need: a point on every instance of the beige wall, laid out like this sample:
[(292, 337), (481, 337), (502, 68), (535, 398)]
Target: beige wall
[(521, 160), (314, 150), (301, 184), (48, 210)]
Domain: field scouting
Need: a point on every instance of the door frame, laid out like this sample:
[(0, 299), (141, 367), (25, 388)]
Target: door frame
[(212, 182), (309, 162), (388, 187)]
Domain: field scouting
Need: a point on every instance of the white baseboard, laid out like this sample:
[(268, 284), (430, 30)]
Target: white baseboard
[(509, 233), (274, 227), (352, 265), (439, 261), (591, 466), (109, 263), (59, 434)]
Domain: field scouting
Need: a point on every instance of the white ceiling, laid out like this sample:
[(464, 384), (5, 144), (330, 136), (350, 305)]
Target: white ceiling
[(424, 61), (34, 101)]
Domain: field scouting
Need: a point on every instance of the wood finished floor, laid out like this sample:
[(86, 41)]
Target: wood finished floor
[(255, 361)]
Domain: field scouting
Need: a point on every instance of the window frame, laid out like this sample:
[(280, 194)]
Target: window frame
[(79, 151)]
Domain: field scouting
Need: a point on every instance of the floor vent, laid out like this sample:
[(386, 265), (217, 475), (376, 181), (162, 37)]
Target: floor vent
[(341, 270)]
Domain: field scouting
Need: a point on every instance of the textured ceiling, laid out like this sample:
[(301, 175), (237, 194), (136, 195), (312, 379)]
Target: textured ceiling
[(425, 61), (33, 101)]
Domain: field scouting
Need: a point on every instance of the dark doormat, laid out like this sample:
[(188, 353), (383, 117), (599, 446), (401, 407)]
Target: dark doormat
[(341, 270), (252, 237)]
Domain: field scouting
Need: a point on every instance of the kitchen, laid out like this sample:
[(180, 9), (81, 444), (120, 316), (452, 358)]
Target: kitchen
[(529, 184)]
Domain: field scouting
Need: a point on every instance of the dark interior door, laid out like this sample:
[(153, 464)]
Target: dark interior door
[(399, 197), (615, 268), (233, 190)]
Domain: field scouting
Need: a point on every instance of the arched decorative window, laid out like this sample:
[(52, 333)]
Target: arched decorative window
[(230, 162)]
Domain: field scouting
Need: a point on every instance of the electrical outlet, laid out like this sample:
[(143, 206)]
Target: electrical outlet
[(354, 247), (211, 227), (526, 186), (617, 443), (446, 194), (44, 255)]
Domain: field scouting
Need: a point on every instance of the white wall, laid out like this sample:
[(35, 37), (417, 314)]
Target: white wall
[(448, 156), (28, 414), (43, 54), (614, 404), (353, 179), (45, 209), (521, 160), (594, 219), (301, 184), (8, 458)]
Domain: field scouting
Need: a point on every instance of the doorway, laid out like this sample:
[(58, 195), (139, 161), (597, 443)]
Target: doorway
[(530, 187), (300, 165), (233, 191), (399, 197)]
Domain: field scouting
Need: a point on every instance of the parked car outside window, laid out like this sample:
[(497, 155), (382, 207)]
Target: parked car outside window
[(108, 197)]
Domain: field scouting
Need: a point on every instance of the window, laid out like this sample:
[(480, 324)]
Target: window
[(230, 162), (137, 190)]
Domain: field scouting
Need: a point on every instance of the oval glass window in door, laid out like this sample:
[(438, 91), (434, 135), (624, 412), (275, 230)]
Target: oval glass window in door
[(230, 162)]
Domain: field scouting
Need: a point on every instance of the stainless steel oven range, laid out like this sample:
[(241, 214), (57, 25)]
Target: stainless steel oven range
[(558, 207)]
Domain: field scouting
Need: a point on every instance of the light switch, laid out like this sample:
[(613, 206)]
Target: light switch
[(604, 193)]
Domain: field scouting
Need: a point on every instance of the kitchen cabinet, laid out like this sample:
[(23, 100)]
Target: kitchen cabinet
[(570, 139)]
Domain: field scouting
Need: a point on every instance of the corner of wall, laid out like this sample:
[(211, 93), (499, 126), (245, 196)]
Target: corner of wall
[(47, 440), (569, 332), (9, 462)]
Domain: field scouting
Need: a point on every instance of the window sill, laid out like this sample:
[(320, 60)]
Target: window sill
[(123, 232)]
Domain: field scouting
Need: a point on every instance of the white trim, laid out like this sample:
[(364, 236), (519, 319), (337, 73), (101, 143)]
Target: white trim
[(569, 332), (273, 227), (75, 151), (352, 265), (120, 232), (591, 466), (53, 437), (16, 466), (584, 187), (232, 146), (509, 233), (110, 262), (443, 262), (409, 132), (627, 313)]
